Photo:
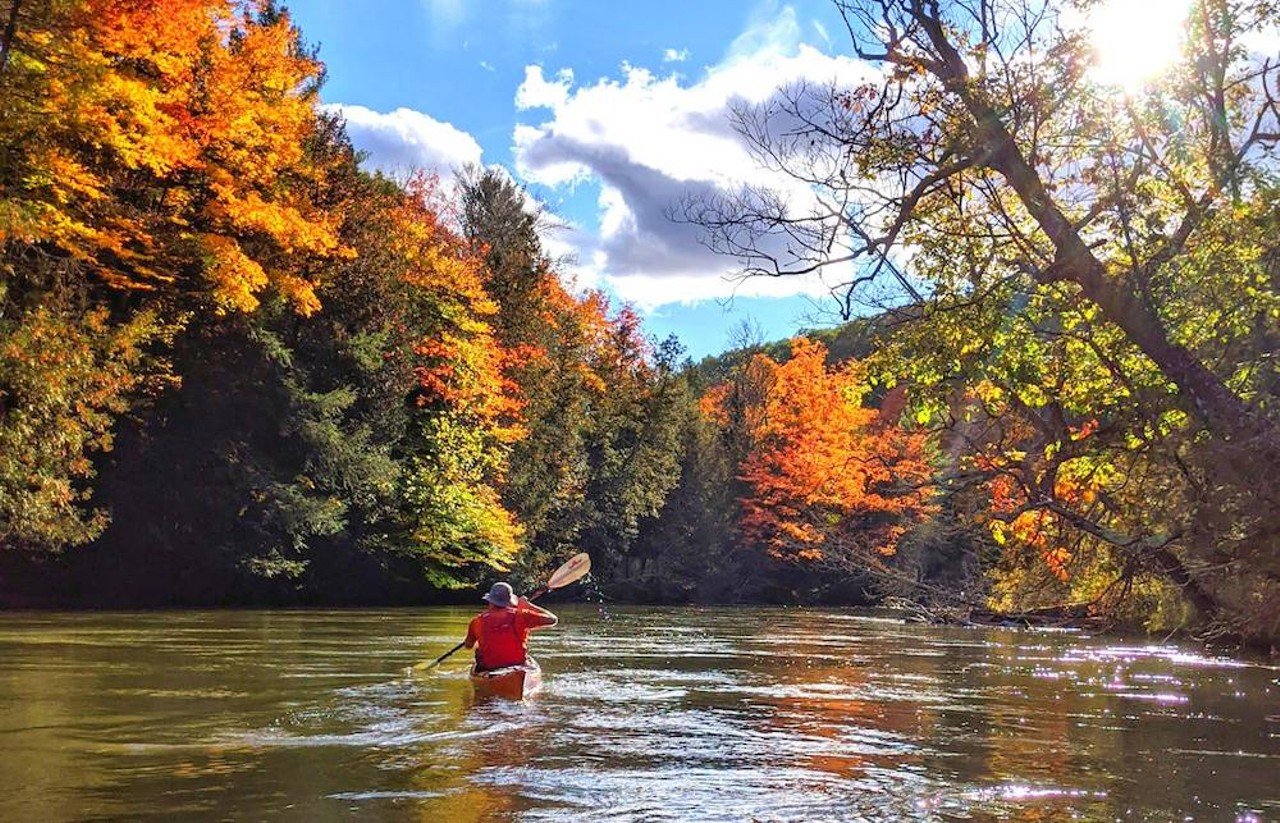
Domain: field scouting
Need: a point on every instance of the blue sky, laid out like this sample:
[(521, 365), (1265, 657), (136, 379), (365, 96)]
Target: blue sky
[(609, 112)]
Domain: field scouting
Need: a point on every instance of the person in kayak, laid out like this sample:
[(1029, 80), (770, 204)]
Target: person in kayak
[(500, 634)]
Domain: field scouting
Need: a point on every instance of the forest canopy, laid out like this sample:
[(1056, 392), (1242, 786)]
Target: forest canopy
[(238, 366), (1086, 274)]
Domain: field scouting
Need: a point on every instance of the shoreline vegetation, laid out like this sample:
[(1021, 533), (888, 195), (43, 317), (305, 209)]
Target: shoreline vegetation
[(239, 368)]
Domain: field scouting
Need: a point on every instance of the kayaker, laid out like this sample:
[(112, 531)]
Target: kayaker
[(500, 634)]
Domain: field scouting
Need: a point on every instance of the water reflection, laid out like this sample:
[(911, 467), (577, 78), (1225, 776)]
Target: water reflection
[(653, 715)]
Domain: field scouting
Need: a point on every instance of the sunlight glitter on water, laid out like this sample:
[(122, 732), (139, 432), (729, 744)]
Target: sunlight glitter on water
[(657, 714)]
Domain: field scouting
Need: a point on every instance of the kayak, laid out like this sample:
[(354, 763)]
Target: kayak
[(512, 682)]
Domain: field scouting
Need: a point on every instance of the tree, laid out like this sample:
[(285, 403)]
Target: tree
[(981, 96), (502, 224), (162, 146), (831, 482), (690, 551), (153, 166), (465, 412), (1078, 255), (600, 405), (67, 374), (633, 443), (350, 455)]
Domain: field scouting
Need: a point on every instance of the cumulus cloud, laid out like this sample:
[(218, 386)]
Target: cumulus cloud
[(651, 141), (538, 92), (406, 140), (675, 55)]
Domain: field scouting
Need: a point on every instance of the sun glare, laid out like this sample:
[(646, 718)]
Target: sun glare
[(1135, 40)]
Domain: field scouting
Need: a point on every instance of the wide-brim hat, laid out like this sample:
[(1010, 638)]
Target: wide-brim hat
[(501, 595)]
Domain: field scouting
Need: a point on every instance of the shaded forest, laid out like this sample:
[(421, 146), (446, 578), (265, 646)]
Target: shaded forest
[(238, 368)]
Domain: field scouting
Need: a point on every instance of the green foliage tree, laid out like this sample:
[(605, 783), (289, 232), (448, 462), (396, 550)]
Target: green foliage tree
[(600, 407), (634, 445), (1091, 276)]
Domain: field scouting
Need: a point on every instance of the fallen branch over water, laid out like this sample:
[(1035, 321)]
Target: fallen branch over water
[(1055, 617)]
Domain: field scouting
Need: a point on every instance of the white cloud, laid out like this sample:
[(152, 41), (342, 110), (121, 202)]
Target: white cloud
[(650, 292), (537, 92), (675, 55), (822, 33), (406, 140), (768, 35), (650, 141)]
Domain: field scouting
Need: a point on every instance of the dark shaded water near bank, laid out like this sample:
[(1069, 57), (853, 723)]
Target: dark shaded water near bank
[(656, 714)]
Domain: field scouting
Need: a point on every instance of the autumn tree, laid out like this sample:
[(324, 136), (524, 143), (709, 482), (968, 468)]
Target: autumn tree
[(153, 165), (599, 402), (832, 481), (1094, 271), (162, 145), (467, 413), (329, 414), (65, 376), (351, 455)]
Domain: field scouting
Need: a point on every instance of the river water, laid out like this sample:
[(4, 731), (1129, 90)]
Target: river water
[(653, 714)]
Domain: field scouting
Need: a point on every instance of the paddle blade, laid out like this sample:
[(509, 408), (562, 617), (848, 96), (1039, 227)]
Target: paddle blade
[(574, 569)]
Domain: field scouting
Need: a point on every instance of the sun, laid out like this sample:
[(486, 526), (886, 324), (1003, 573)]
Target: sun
[(1135, 40)]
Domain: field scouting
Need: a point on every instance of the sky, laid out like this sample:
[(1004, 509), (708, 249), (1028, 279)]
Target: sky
[(608, 112)]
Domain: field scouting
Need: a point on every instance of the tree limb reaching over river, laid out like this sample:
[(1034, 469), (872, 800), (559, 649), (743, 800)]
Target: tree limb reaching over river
[(1107, 259)]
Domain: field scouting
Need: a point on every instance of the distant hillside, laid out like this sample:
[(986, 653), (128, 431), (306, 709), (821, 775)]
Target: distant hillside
[(853, 340)]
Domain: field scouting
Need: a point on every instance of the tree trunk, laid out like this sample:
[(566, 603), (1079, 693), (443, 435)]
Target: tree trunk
[(1225, 414), (1177, 573), (1221, 411), (10, 31)]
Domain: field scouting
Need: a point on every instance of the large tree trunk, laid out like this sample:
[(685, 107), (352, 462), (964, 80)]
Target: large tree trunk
[(1177, 573), (1221, 411), (10, 31)]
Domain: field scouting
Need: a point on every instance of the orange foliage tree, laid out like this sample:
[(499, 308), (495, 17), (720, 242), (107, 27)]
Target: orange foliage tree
[(162, 145), (831, 481), (155, 167), (467, 410)]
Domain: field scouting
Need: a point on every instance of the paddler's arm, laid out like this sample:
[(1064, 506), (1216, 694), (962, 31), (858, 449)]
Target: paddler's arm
[(536, 616), (472, 635)]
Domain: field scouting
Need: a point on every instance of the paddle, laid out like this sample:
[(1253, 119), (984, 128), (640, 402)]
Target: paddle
[(575, 568)]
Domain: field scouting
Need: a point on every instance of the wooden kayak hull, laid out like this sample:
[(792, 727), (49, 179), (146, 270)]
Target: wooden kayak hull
[(511, 683)]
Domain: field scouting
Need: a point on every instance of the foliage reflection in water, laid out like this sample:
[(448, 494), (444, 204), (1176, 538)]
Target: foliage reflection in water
[(657, 714)]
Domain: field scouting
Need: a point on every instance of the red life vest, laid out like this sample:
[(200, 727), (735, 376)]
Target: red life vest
[(502, 638)]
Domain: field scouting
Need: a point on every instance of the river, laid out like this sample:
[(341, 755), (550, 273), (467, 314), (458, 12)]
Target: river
[(651, 714)]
